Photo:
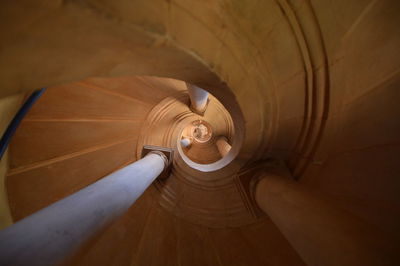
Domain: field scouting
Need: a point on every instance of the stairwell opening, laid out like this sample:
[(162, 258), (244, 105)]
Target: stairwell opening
[(204, 141)]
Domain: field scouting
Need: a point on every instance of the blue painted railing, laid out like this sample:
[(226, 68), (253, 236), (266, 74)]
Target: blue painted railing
[(12, 127)]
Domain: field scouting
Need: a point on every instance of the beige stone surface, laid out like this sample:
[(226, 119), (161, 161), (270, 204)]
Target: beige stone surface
[(8, 108), (314, 83)]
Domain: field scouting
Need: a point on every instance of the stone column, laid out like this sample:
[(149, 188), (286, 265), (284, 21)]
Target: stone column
[(198, 99), (51, 234), (185, 142), (223, 146), (321, 233)]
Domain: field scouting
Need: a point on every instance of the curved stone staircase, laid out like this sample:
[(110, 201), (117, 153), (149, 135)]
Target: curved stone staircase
[(313, 83), (79, 132)]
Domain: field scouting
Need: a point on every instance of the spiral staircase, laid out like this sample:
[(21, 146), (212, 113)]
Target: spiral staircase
[(311, 86), (79, 132)]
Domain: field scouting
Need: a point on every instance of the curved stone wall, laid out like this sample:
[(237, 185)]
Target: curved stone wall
[(316, 80)]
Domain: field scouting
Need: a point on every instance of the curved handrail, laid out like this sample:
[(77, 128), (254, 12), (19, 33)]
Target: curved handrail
[(12, 127)]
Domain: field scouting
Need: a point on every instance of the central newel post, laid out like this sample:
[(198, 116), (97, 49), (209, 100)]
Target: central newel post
[(198, 99), (51, 234)]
